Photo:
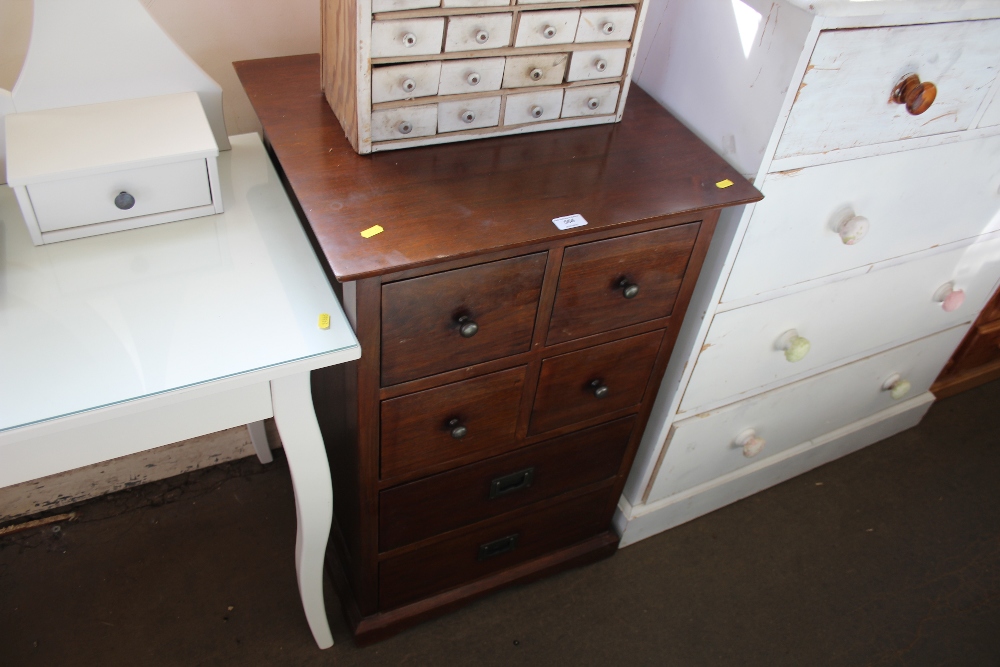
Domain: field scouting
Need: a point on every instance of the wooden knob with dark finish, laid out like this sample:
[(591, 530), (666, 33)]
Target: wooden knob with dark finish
[(918, 96), (458, 431), (467, 327), (599, 389)]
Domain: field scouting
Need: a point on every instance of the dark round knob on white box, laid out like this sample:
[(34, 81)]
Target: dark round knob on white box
[(124, 201)]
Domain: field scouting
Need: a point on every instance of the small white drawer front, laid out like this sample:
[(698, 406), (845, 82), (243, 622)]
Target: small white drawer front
[(844, 97), (992, 115), (591, 100), (468, 114), (404, 122), (76, 202), (401, 5), (819, 221), (606, 25), (475, 3), (480, 31), (708, 445), (405, 82), (471, 76), (543, 69), (750, 347), (597, 64), (407, 37), (542, 28), (532, 107)]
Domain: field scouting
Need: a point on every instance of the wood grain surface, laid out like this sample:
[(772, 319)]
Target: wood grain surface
[(459, 200)]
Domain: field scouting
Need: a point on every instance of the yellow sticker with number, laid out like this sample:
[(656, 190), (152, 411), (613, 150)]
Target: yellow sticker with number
[(724, 184), (324, 320), (372, 231)]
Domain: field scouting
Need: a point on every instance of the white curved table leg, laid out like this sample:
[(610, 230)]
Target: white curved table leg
[(291, 399)]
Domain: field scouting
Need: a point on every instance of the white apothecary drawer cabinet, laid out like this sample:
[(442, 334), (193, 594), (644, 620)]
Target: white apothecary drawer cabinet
[(873, 130)]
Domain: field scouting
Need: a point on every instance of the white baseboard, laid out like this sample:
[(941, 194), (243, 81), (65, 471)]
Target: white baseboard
[(635, 523)]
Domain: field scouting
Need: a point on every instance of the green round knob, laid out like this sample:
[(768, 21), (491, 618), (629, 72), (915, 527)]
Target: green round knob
[(797, 349)]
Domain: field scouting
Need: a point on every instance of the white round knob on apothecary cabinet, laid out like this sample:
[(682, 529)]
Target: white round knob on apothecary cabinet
[(409, 39), (408, 85), (405, 127), (593, 103), (482, 37), (750, 443), (793, 345), (896, 386), (950, 298), (853, 229), (536, 111), (468, 116), (608, 28), (548, 32), (474, 78)]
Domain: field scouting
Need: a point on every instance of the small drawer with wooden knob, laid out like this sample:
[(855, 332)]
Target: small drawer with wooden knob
[(458, 318), (404, 122), (705, 446), (407, 37), (609, 284), (588, 383), (379, 6), (591, 100), (439, 503), (543, 69), (468, 114), (606, 24), (451, 425), (596, 64), (474, 75), (547, 27), (478, 32), (532, 107), (877, 85), (405, 82)]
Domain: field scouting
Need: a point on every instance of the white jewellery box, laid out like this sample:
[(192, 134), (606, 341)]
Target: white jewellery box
[(100, 168)]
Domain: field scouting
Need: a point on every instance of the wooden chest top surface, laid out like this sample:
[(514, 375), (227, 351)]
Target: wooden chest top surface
[(460, 200)]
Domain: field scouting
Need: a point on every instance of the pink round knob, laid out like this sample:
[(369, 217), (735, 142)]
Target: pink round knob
[(953, 301)]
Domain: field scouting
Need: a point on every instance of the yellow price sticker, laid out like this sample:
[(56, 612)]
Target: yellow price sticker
[(324, 320), (724, 184), (372, 231)]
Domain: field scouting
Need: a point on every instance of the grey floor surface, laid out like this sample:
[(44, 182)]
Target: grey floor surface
[(890, 556)]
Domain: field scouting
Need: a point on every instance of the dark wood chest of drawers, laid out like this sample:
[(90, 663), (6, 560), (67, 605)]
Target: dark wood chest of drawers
[(508, 367)]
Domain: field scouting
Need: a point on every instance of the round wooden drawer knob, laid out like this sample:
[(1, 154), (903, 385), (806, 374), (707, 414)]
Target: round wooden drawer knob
[(466, 327), (629, 290), (405, 127), (468, 116), (794, 346), (951, 299), (548, 32), (536, 74), (482, 37), (457, 430), (593, 103), (537, 111), (474, 78), (409, 85), (600, 64), (599, 389), (896, 386), (409, 39), (608, 28), (916, 95), (750, 443), (853, 229)]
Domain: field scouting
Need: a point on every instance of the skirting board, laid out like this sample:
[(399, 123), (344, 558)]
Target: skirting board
[(72, 486), (642, 521)]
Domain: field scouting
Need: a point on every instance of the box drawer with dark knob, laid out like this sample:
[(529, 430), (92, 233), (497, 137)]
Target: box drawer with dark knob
[(457, 318), (479, 491), (597, 380), (496, 545), (609, 284), (460, 422)]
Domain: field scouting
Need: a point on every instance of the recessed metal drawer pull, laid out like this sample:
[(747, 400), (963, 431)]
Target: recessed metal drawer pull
[(497, 547), (516, 481)]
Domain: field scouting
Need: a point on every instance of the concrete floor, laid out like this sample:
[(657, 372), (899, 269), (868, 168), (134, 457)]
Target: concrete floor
[(890, 556)]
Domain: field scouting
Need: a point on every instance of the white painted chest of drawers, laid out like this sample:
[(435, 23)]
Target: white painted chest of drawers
[(403, 73), (873, 130)]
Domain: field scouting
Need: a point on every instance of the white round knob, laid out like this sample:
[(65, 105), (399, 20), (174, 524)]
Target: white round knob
[(409, 39), (468, 116), (750, 443), (951, 299), (409, 85), (548, 32), (794, 346), (405, 127), (608, 28), (593, 103), (536, 74), (896, 386), (473, 79), (600, 64), (537, 111), (853, 229), (482, 36)]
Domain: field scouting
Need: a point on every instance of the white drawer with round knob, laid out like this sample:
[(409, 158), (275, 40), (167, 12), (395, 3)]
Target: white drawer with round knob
[(404, 122), (543, 69), (100, 168), (765, 343), (468, 114), (471, 76), (708, 445), (405, 82), (407, 37), (877, 85), (474, 3), (477, 32), (823, 220), (605, 24), (532, 107), (597, 64), (590, 100), (544, 28), (403, 5)]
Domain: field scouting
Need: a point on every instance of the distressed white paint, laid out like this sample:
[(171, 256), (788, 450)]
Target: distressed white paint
[(420, 121), (576, 101), (390, 38), (519, 108), (463, 31), (605, 24), (531, 27), (455, 75), (454, 116), (389, 83), (587, 65)]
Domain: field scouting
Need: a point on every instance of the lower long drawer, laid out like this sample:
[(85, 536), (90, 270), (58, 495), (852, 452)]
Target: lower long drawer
[(479, 491), (491, 548), (709, 445)]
